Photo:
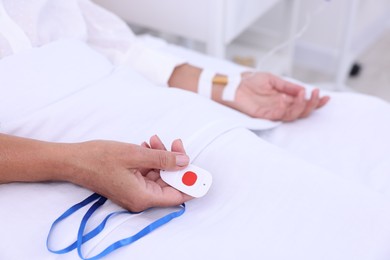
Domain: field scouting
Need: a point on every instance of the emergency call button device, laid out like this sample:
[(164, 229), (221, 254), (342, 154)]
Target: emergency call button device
[(192, 180)]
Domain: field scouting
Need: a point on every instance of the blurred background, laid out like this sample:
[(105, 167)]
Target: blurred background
[(338, 45)]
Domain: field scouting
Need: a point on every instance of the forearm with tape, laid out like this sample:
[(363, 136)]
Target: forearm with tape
[(209, 78)]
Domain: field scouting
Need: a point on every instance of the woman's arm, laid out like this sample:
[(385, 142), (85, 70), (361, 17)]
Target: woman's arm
[(260, 95), (27, 160), (125, 173)]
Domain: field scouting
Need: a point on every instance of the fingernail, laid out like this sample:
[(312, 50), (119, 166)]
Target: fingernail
[(182, 160), (145, 144)]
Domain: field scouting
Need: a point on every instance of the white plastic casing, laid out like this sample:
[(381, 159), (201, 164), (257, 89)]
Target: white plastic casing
[(192, 180)]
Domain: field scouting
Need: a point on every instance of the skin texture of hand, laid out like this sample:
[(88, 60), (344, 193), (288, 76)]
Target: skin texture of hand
[(263, 95), (260, 95), (129, 175)]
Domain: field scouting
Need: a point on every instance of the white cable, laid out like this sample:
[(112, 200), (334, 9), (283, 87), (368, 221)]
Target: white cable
[(298, 35)]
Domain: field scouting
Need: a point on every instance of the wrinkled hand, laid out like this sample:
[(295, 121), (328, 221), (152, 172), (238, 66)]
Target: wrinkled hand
[(263, 95), (129, 175)]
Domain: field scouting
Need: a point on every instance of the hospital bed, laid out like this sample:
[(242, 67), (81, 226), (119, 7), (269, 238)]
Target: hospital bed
[(334, 208)]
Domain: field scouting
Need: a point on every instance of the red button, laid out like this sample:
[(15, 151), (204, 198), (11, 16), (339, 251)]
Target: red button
[(189, 178)]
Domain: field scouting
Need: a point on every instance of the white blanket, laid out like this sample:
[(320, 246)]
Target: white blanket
[(265, 203), (60, 89)]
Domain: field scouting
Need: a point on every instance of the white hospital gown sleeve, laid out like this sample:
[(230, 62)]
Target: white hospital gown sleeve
[(111, 36)]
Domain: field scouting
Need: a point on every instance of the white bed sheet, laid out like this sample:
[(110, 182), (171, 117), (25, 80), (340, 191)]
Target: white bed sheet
[(348, 137), (274, 204)]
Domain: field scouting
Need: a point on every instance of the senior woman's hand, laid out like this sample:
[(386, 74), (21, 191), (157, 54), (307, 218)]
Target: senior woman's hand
[(125, 173), (128, 174), (264, 95)]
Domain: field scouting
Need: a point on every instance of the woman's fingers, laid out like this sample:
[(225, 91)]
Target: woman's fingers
[(144, 171), (173, 197), (285, 86), (147, 193), (156, 143), (296, 108), (177, 146), (145, 144), (312, 104), (155, 156), (323, 101), (145, 158)]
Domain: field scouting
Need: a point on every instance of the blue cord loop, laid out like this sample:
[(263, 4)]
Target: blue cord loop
[(83, 238)]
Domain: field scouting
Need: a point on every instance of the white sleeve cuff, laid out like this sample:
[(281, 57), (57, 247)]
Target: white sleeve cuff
[(153, 64)]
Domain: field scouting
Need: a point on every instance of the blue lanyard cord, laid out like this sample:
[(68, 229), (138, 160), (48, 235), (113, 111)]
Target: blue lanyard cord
[(126, 241), (81, 238), (66, 214)]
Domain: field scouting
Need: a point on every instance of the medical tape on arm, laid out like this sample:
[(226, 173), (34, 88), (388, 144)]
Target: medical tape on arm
[(205, 83), (229, 92)]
